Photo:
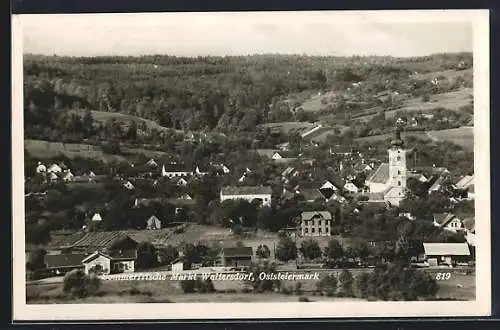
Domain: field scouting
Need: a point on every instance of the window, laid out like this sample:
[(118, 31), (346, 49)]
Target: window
[(326, 230), (319, 222), (399, 183), (306, 230), (312, 230), (398, 158), (399, 172), (319, 230)]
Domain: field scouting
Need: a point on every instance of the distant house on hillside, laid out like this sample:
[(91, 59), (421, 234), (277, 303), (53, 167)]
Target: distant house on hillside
[(54, 168), (316, 223), (68, 176), (152, 163), (41, 168), (153, 223), (96, 217), (248, 193)]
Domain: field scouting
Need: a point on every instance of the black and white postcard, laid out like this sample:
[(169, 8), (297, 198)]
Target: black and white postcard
[(251, 165)]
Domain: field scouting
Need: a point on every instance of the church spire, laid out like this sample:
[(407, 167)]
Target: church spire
[(398, 142)]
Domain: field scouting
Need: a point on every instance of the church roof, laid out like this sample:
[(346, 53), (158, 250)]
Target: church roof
[(381, 175)]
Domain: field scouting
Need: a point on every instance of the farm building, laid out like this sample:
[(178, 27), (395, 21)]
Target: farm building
[(106, 241), (446, 253), (248, 193), (236, 256), (63, 263), (103, 263), (448, 221)]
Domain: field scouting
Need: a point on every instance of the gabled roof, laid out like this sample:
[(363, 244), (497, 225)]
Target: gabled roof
[(176, 168), (64, 260), (465, 182), (311, 194), (437, 184), (101, 239), (446, 249), (95, 255), (309, 215), (246, 190), (381, 174), (96, 217), (265, 152), (244, 251), (443, 218)]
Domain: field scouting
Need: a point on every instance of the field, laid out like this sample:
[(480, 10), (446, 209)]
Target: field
[(313, 104), (458, 287), (463, 136), (103, 116), (384, 137), (290, 126), (45, 149), (159, 292)]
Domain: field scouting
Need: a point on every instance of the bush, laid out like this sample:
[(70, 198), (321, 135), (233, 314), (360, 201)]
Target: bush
[(188, 286), (426, 98), (304, 299), (298, 288), (79, 285)]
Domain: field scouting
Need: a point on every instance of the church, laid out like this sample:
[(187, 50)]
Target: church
[(388, 182)]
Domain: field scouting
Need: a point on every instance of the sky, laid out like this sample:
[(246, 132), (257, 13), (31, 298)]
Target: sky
[(394, 33)]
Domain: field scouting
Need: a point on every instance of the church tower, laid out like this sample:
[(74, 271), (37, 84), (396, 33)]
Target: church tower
[(397, 159)]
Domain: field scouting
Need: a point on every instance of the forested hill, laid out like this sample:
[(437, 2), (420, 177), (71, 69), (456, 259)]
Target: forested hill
[(203, 93)]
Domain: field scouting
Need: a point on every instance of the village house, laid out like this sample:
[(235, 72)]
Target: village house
[(153, 223), (200, 170), (446, 253), (350, 187), (96, 217), (236, 256), (54, 168), (68, 176), (248, 193), (465, 186), (152, 163), (316, 223), (117, 262), (448, 221), (113, 251), (41, 168), (174, 170)]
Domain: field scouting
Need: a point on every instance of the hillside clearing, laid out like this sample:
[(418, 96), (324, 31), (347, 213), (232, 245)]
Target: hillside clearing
[(103, 116), (45, 149), (290, 126), (463, 136)]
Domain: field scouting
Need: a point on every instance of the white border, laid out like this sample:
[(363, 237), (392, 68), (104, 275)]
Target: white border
[(480, 307)]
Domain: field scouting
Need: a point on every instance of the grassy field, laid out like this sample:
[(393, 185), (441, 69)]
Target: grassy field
[(463, 136), (449, 74), (103, 116), (458, 287), (313, 104), (383, 137), (45, 149), (290, 126)]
